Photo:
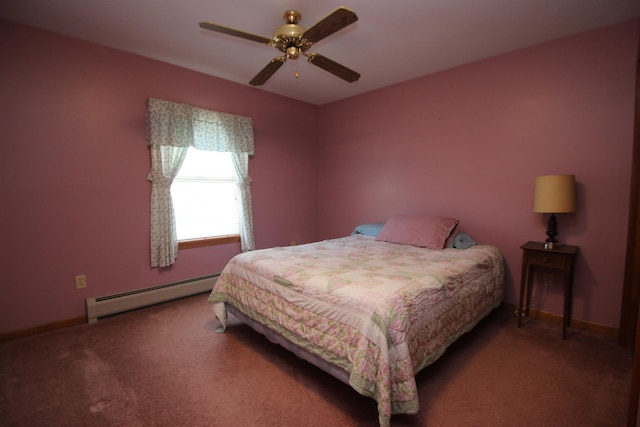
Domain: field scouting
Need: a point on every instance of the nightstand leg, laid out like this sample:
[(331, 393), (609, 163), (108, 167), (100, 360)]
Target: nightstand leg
[(528, 305), (567, 302), (524, 277)]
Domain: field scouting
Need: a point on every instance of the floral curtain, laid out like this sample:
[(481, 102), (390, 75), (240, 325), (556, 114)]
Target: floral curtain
[(171, 129), (165, 164), (241, 163)]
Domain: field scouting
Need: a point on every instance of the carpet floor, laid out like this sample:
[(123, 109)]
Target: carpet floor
[(165, 366)]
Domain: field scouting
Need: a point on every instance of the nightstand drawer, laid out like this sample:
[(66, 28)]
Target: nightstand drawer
[(548, 259)]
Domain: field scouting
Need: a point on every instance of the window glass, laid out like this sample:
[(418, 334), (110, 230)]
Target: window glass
[(206, 198)]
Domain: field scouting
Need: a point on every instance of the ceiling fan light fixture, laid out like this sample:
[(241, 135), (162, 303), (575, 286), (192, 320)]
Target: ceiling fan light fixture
[(293, 52)]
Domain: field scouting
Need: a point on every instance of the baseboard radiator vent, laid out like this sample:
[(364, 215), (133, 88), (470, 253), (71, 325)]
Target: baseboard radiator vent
[(125, 301)]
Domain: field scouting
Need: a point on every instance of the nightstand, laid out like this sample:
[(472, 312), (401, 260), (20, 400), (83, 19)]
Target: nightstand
[(560, 258)]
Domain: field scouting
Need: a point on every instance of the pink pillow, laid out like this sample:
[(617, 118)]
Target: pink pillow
[(425, 231)]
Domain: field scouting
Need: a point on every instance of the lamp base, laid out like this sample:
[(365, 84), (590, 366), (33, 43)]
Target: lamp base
[(552, 232)]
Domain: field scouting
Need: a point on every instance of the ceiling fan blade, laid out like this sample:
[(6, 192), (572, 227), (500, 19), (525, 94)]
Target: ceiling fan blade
[(336, 21), (268, 71), (333, 67), (236, 33)]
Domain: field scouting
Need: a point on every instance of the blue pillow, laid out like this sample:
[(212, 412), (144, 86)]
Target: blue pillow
[(371, 229), (462, 241)]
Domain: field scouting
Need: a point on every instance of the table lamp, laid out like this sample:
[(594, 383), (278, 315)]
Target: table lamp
[(554, 194)]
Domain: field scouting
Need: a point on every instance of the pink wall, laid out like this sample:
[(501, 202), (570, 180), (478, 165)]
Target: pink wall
[(74, 193), (469, 142)]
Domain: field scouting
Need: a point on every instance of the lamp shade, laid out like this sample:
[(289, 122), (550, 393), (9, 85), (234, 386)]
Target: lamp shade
[(555, 194)]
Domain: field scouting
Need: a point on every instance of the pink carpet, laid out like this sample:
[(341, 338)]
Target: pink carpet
[(165, 366)]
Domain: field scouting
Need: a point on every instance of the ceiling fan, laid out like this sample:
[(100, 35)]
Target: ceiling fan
[(293, 40)]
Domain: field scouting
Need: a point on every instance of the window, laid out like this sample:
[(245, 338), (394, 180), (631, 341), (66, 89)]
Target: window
[(172, 129), (206, 198)]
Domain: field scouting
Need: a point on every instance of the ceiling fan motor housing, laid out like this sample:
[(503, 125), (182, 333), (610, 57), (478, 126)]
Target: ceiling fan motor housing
[(288, 38)]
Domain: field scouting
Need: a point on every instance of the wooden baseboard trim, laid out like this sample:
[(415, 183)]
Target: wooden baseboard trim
[(10, 336), (575, 323), (533, 313)]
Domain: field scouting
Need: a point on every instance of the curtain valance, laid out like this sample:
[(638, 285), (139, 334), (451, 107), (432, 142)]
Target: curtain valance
[(183, 125)]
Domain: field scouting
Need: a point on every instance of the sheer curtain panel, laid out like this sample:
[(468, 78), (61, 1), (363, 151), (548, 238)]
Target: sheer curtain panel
[(171, 129), (241, 163)]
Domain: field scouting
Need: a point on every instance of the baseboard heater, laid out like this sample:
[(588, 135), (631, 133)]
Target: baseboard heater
[(125, 301)]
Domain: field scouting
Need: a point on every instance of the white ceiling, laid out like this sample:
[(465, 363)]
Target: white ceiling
[(393, 41)]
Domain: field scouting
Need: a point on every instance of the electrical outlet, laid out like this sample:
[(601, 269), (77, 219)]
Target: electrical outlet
[(547, 279), (81, 281)]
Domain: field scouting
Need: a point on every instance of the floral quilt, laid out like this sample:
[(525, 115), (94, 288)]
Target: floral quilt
[(379, 311)]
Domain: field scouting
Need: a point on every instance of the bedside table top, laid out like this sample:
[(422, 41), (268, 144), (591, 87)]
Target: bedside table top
[(539, 246)]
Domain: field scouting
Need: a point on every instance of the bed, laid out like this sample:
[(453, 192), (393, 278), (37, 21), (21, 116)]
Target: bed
[(368, 310)]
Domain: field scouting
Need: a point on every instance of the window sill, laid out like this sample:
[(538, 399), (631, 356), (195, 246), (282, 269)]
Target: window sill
[(208, 241)]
